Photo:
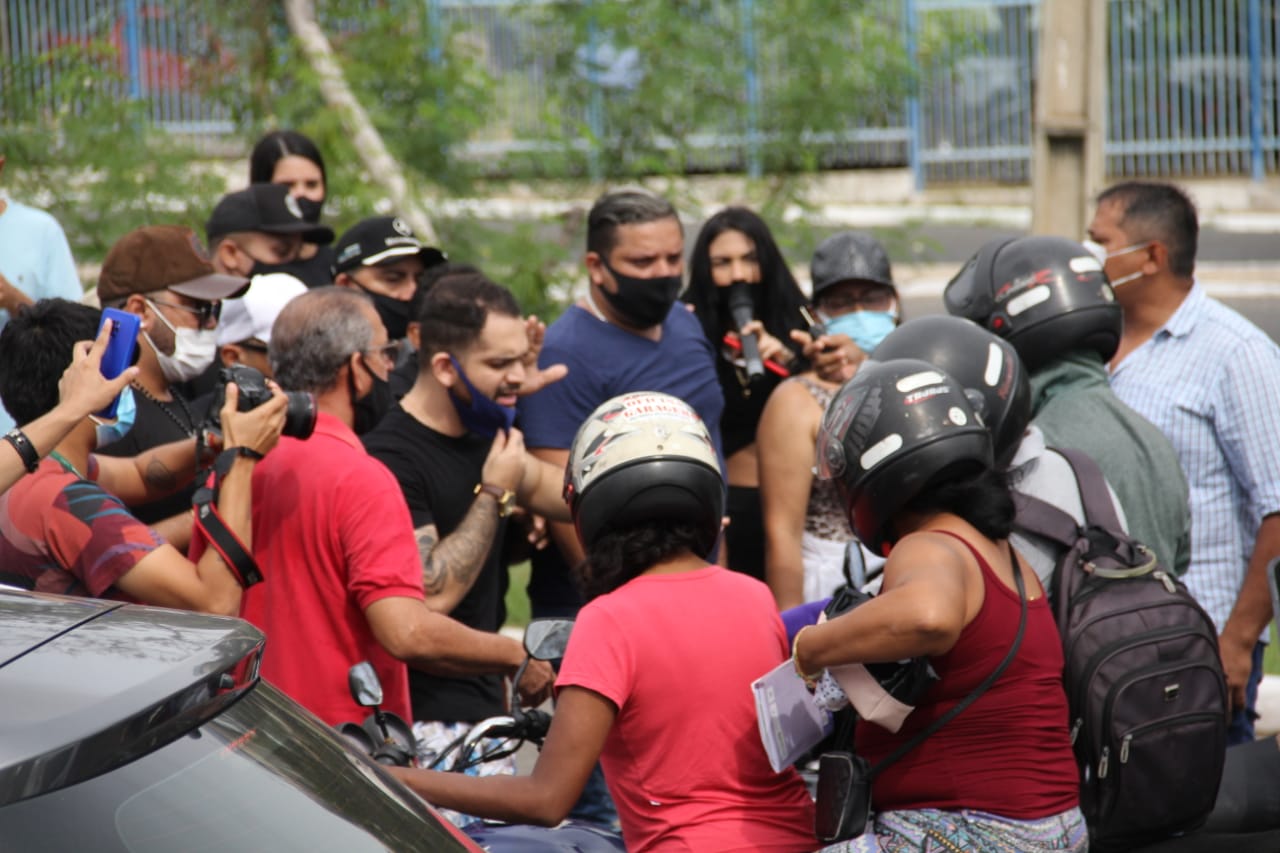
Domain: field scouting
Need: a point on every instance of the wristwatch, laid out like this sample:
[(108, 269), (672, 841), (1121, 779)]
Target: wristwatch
[(505, 497)]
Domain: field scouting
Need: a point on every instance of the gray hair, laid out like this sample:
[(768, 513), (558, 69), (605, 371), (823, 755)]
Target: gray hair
[(315, 334), (623, 207)]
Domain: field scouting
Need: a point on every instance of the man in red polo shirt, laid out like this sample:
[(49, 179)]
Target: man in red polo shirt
[(333, 535)]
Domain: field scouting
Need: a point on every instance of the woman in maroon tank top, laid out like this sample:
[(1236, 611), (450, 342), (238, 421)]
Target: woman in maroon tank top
[(913, 464)]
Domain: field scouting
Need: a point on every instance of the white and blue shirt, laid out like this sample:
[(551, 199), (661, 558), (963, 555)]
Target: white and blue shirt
[(35, 258), (1210, 381)]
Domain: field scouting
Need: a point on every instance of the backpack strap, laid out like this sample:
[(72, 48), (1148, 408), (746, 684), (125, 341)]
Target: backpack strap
[(981, 688), (1099, 511), (1044, 519)]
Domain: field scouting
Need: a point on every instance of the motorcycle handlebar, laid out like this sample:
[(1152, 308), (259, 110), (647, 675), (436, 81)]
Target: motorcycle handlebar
[(532, 725)]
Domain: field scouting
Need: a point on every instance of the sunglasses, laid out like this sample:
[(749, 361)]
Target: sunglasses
[(207, 313)]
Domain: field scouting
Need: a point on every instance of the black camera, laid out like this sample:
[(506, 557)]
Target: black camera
[(300, 412)]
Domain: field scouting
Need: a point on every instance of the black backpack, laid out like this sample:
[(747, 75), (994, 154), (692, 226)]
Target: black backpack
[(1143, 676)]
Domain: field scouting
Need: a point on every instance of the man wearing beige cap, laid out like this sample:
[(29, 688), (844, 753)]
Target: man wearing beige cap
[(163, 274)]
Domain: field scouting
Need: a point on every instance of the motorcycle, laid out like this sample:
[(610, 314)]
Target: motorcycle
[(389, 740)]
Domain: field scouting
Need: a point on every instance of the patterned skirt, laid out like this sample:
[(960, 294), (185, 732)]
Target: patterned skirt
[(937, 831)]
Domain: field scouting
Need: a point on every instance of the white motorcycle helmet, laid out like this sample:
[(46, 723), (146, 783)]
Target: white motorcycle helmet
[(644, 457)]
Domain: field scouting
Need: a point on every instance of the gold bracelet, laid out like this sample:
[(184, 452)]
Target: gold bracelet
[(810, 681)]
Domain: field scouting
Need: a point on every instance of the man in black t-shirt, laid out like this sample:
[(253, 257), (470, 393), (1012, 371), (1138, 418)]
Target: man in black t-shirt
[(163, 274), (463, 468)]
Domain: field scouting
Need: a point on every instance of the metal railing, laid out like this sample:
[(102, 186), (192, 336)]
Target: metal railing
[(1192, 87)]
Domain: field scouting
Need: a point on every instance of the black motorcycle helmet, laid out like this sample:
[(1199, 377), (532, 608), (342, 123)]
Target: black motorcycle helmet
[(891, 431), (977, 360), (1047, 296), (644, 457)]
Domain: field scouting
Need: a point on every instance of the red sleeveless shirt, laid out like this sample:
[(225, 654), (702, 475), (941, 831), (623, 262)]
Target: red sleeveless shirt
[(1009, 752)]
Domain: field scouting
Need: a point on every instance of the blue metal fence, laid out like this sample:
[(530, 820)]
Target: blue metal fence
[(1192, 87), (158, 49)]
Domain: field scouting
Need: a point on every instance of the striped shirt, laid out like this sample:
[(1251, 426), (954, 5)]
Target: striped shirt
[(1210, 380)]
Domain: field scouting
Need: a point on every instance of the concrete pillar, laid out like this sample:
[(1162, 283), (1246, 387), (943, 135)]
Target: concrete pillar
[(1067, 165)]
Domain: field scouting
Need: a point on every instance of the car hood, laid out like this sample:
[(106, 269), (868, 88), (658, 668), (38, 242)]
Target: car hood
[(89, 685)]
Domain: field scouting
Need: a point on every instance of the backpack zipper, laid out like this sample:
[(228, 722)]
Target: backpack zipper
[(1123, 644)]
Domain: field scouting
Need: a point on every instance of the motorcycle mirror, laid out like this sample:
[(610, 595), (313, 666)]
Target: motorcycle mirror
[(365, 687), (546, 639)]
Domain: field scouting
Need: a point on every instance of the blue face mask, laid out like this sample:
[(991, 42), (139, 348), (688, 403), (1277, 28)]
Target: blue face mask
[(126, 412), (865, 328), (482, 415)]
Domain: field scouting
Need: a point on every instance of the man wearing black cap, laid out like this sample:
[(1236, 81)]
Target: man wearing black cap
[(854, 293), (163, 274), (255, 230), (381, 256)]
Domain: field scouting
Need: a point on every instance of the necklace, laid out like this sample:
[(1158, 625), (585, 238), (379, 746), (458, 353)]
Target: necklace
[(189, 428), (591, 304), (65, 463)]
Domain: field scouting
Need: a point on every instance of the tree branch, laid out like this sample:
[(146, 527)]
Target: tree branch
[(333, 84)]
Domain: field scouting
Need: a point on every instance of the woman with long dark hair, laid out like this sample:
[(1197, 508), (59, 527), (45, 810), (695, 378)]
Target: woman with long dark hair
[(656, 682), (914, 468), (290, 158), (736, 258)]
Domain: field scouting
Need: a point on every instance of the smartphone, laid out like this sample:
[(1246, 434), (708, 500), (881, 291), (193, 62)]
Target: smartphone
[(816, 327), (120, 347)]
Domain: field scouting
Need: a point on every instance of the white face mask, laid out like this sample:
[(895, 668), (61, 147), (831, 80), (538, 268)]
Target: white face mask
[(1103, 256), (193, 350)]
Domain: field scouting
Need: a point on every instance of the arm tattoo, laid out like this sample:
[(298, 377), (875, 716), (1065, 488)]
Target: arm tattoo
[(452, 564), (432, 579)]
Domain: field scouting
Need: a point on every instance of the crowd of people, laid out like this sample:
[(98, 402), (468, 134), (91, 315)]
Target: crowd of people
[(681, 458)]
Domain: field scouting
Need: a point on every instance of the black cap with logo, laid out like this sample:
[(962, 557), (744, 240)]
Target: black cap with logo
[(268, 208), (379, 240)]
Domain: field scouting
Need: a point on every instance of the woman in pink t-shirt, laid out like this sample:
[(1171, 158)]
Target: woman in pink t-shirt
[(656, 682)]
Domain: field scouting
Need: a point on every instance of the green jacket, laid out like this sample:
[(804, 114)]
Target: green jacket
[(1074, 406)]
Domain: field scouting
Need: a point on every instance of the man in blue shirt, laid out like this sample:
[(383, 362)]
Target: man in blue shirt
[(627, 333), (35, 263), (1210, 380)]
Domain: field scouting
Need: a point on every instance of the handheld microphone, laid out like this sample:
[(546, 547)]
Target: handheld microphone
[(742, 309)]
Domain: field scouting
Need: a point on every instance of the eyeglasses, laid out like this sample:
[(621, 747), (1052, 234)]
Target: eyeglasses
[(390, 352), (845, 300), (207, 313)]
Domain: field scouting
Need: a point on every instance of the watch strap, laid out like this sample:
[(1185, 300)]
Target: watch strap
[(504, 497), (26, 450)]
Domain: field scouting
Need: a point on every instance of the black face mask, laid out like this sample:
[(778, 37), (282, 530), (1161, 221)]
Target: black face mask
[(642, 302), (261, 268), (394, 314), (370, 408), (310, 209)]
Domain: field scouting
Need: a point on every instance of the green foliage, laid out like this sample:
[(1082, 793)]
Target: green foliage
[(654, 87), (627, 88), (517, 599), (528, 256), (78, 147), (424, 106)]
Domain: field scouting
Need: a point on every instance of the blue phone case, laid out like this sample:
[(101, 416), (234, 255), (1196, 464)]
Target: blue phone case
[(119, 353)]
